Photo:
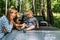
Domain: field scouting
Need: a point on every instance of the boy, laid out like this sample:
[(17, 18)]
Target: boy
[(31, 21)]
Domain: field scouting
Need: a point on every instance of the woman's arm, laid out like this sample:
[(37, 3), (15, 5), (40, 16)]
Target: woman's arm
[(4, 30), (8, 26), (16, 24)]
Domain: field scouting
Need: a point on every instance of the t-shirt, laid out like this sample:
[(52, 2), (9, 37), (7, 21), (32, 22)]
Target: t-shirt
[(31, 21)]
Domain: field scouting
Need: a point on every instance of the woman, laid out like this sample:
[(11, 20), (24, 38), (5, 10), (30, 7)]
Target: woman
[(7, 22)]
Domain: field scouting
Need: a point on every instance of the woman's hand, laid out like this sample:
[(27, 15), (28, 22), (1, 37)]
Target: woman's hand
[(4, 30), (18, 25)]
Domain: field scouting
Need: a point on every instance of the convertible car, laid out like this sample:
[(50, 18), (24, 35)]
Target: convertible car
[(33, 35)]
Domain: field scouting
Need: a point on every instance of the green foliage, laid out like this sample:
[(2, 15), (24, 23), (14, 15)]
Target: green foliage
[(12, 3), (55, 4), (56, 8), (57, 21), (37, 6), (2, 7)]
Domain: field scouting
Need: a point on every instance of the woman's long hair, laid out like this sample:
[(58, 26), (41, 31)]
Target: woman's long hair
[(8, 13)]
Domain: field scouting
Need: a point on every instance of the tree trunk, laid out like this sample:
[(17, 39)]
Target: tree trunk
[(6, 8), (49, 12), (9, 3), (41, 6), (16, 3), (21, 5), (42, 12), (34, 7)]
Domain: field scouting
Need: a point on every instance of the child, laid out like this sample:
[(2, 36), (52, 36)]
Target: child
[(31, 21)]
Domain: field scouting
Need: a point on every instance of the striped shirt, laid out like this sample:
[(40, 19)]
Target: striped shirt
[(4, 23)]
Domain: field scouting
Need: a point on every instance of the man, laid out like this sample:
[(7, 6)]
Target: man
[(30, 22)]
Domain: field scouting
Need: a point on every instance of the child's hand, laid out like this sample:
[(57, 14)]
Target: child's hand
[(24, 24)]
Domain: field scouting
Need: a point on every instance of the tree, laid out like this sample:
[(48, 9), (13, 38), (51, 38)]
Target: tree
[(6, 7), (2, 7), (49, 12), (42, 7), (34, 8)]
